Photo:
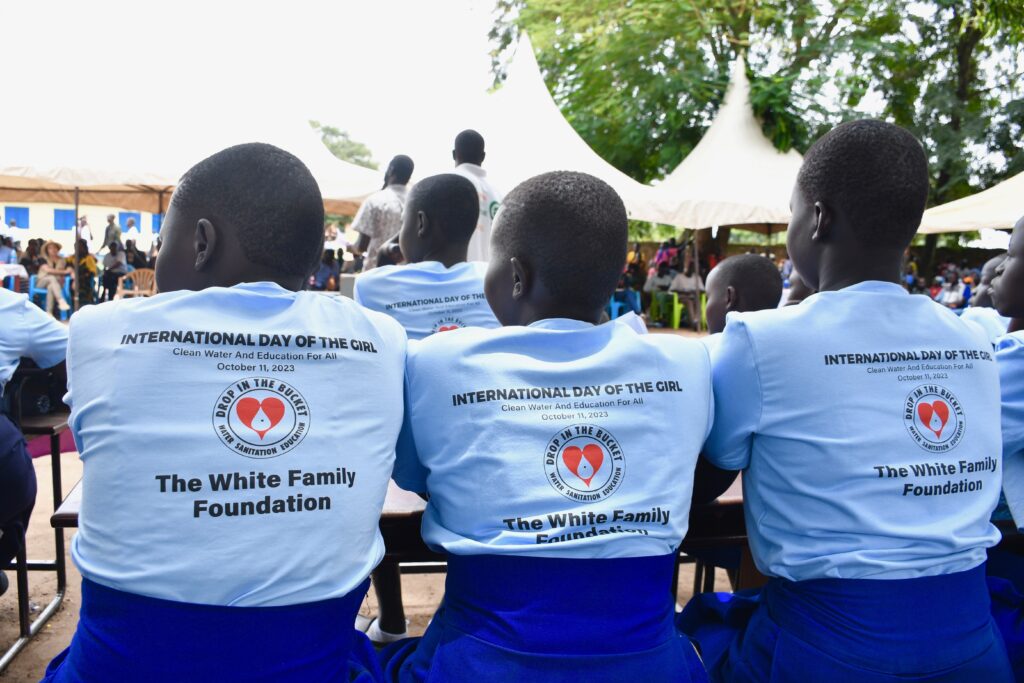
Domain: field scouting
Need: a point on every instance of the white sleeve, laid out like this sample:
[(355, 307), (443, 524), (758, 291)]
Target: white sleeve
[(44, 340)]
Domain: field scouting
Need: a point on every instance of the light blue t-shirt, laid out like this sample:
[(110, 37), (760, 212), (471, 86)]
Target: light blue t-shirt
[(426, 297), (8, 256), (27, 331), (988, 319), (1010, 358), (867, 424), (237, 443), (561, 439)]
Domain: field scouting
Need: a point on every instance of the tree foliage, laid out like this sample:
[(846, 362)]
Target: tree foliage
[(343, 146), (640, 80)]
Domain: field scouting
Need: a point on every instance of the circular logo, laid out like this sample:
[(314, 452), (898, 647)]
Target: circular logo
[(934, 418), (448, 324), (261, 417), (584, 463), (492, 209)]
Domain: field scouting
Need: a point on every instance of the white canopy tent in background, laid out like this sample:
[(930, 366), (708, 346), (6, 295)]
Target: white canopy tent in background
[(735, 175), (1000, 206), (527, 134)]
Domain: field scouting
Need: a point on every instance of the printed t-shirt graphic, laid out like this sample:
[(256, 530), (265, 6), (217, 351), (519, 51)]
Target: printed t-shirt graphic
[(227, 468), (867, 424), (426, 297), (561, 439)]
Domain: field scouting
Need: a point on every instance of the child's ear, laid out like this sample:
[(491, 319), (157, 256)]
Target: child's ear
[(520, 278), (423, 227), (205, 244), (731, 299), (822, 222)]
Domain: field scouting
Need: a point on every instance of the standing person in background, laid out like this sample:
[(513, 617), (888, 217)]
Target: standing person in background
[(84, 231), (131, 228), (469, 156), (112, 233), (52, 272), (380, 217), (114, 266)]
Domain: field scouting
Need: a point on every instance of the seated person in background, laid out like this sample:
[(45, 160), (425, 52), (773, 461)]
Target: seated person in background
[(952, 294), (87, 270), (656, 287), (438, 290), (25, 331), (31, 259), (114, 266), (741, 284), (227, 532), (560, 530), (981, 310), (688, 286), (796, 292), (1006, 569), (52, 271), (8, 256), (867, 499), (327, 273), (135, 258)]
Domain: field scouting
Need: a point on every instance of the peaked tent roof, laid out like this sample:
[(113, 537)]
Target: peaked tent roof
[(734, 175), (1000, 206), (529, 135)]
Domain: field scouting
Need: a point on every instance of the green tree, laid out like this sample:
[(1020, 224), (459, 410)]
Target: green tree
[(640, 80), (341, 145)]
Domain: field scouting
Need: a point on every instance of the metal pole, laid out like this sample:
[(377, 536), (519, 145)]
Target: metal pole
[(74, 261)]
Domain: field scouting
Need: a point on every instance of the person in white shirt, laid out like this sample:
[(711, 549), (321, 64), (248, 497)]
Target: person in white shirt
[(469, 156), (688, 285), (25, 331), (380, 217)]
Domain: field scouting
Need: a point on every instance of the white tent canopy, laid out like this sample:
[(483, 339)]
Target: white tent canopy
[(527, 135), (50, 171), (734, 175), (1000, 206)]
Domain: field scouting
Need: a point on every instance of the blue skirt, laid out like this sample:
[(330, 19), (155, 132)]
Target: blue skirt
[(1006, 586), (524, 619), (936, 629), (127, 637)]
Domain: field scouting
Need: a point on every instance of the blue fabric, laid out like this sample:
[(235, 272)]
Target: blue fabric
[(19, 214), (546, 619), (1006, 587), (887, 466), (247, 420), (562, 438), (126, 637), (936, 629), (17, 490)]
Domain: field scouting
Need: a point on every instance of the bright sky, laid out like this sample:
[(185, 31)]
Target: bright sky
[(106, 77)]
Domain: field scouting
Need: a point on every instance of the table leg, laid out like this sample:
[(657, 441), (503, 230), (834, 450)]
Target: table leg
[(58, 498)]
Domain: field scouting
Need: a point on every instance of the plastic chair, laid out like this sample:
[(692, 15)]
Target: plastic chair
[(139, 282), (34, 291), (614, 308), (678, 307)]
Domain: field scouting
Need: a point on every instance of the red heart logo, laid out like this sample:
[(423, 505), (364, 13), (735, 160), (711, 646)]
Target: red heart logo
[(934, 416), (445, 328), (260, 416), (584, 463)]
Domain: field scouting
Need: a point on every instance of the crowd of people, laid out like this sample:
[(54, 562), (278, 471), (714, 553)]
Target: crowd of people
[(559, 452), (91, 279)]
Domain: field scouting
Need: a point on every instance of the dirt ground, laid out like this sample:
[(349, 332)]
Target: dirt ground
[(422, 592)]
